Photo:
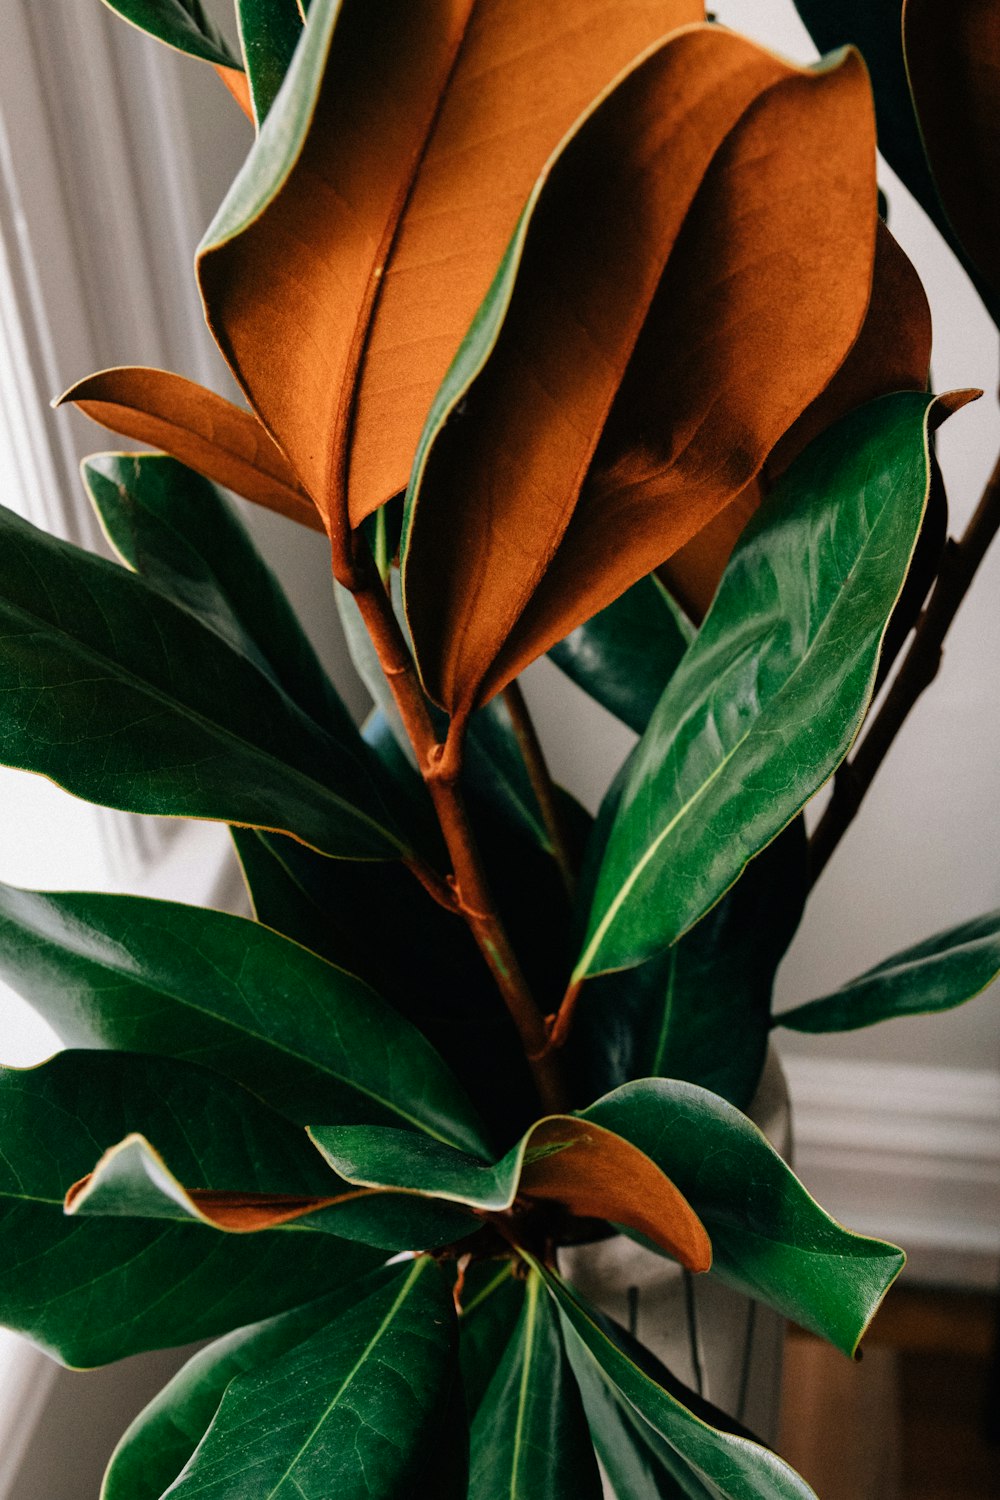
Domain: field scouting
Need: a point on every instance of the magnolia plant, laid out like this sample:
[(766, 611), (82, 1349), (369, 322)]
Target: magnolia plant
[(576, 330)]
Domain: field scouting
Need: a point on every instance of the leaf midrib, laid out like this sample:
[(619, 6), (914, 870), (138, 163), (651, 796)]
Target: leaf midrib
[(581, 970), (366, 1353)]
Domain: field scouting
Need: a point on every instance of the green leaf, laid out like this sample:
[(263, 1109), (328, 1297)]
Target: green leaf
[(877, 32), (122, 697), (702, 1010), (592, 1173), (262, 1172), (356, 1411), (625, 656), (152, 976), (935, 975), (726, 1464), (183, 24), (180, 533), (91, 1291), (492, 1298), (769, 697), (640, 1463), (770, 1239), (529, 1437), (164, 1435), (269, 32)]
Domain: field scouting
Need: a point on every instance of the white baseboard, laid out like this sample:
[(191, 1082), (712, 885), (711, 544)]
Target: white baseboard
[(911, 1154)]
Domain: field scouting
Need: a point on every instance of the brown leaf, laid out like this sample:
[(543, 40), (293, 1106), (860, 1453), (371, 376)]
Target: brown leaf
[(953, 59), (204, 431), (341, 305), (598, 1175), (891, 353), (685, 315), (238, 84)]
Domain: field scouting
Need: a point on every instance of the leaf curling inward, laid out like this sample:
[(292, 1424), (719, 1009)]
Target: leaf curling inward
[(715, 161), (377, 175)]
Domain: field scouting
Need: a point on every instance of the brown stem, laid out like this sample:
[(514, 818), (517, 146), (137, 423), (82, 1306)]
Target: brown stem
[(440, 766), (920, 666), (541, 782)]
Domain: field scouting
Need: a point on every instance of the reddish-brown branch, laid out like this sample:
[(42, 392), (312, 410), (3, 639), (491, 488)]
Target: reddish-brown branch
[(920, 666), (440, 766), (541, 782)]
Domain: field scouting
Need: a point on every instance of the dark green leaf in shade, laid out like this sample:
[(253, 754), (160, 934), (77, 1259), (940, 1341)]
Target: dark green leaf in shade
[(529, 1437), (158, 1444), (625, 656), (491, 1301), (133, 974), (122, 697), (359, 1410), (183, 24), (723, 1463), (179, 532), (702, 1010), (94, 1290), (269, 32), (935, 975), (877, 32), (769, 697), (770, 1239), (379, 923)]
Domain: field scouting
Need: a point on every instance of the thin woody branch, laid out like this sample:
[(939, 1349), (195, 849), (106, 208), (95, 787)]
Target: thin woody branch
[(440, 765), (541, 782)]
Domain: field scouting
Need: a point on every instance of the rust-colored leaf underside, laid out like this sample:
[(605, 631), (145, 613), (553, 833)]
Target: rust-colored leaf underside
[(598, 1175), (891, 353), (341, 306), (695, 272), (204, 431)]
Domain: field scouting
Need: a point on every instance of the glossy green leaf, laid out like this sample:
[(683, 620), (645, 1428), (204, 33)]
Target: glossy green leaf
[(269, 33), (702, 1010), (122, 697), (770, 696), (877, 32), (183, 24), (491, 1301), (561, 1159), (152, 976), (529, 1438), (640, 1463), (937, 974), (158, 1444), (356, 1411), (262, 1173), (770, 1239), (94, 1290), (625, 656), (180, 533), (728, 1465)]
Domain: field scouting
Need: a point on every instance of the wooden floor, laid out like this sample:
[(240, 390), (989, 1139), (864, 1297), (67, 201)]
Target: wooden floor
[(910, 1421)]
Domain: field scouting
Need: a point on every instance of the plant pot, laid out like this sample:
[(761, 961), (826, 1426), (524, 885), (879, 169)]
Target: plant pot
[(719, 1342)]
